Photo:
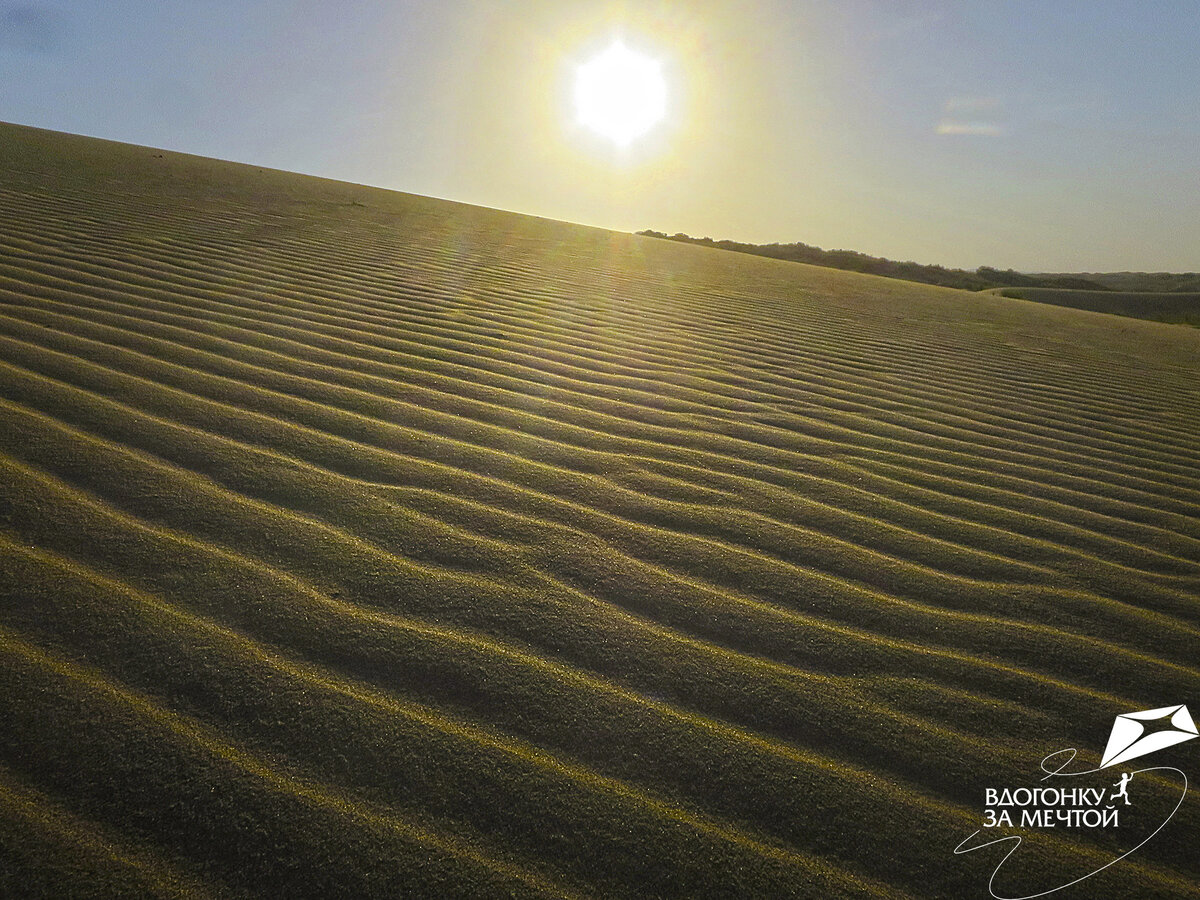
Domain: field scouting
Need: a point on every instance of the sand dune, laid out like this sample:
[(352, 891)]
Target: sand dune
[(362, 544)]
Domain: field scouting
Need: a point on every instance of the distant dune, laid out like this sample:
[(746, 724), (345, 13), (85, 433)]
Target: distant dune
[(358, 544)]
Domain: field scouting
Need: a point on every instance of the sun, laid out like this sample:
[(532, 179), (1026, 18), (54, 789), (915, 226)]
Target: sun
[(620, 94)]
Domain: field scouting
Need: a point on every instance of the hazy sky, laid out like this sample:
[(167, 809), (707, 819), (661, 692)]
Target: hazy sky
[(1036, 135)]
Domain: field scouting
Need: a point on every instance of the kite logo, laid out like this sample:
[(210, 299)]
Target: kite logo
[(1091, 801), (1130, 737)]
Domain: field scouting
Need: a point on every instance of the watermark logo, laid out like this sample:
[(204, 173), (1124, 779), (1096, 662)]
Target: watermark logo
[(1086, 806)]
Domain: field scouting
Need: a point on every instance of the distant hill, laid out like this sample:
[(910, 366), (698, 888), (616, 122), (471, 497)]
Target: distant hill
[(1174, 306), (981, 279), (1146, 282)]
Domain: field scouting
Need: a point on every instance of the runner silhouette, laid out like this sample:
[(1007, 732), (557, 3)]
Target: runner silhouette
[(1123, 784)]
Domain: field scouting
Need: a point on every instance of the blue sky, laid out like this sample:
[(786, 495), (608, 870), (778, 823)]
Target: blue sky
[(1049, 136)]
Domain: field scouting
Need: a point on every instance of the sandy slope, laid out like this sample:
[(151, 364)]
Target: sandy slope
[(361, 544)]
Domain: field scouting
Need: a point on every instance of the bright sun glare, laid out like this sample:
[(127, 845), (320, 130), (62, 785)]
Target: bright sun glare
[(620, 94)]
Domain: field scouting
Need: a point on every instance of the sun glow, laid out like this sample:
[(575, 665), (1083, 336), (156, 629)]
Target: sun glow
[(620, 94)]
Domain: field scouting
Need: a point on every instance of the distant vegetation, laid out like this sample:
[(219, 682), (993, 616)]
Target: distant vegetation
[(982, 278)]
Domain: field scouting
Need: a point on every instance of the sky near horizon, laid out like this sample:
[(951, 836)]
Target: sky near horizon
[(1026, 134)]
